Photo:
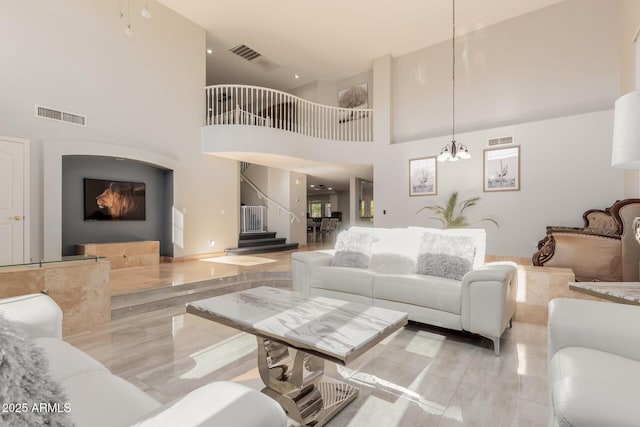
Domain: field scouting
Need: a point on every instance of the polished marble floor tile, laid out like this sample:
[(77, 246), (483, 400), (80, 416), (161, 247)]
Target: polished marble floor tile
[(419, 376)]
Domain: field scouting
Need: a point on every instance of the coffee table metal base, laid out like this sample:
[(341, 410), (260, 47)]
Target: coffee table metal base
[(295, 380)]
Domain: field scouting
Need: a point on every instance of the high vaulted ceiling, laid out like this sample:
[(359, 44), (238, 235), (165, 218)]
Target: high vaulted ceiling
[(330, 39)]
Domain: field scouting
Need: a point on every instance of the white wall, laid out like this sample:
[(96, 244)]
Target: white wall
[(308, 91), (260, 178), (556, 61), (287, 189), (565, 170), (279, 191), (141, 92), (298, 205), (326, 92), (231, 140), (562, 63), (630, 73), (343, 206)]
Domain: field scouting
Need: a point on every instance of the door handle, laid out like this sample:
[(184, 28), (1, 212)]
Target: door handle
[(17, 217)]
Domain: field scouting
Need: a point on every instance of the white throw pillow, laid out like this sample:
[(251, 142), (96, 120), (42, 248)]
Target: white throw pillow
[(479, 235), (442, 255), (25, 381), (353, 247)]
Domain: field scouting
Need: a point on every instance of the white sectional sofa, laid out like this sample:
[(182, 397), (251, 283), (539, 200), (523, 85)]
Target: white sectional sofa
[(436, 276), (96, 398), (594, 363)]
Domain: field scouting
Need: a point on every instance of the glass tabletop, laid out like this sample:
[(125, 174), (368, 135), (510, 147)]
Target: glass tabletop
[(59, 260)]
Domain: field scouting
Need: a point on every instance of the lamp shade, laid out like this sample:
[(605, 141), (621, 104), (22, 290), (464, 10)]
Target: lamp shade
[(625, 152)]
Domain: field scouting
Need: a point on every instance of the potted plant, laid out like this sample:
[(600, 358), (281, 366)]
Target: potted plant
[(451, 215)]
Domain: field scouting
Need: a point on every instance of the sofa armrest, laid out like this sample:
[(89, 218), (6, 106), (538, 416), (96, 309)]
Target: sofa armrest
[(489, 299), (604, 326), (302, 263), (37, 315), (582, 401), (219, 404)]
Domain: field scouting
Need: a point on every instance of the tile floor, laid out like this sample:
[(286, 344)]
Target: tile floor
[(420, 376)]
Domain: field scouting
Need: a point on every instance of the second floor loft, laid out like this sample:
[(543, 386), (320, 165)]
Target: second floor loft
[(263, 107)]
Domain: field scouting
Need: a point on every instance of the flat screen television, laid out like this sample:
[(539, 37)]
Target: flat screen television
[(106, 200)]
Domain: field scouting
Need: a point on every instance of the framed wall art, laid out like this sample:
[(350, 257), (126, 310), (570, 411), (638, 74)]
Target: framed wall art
[(502, 169), (114, 200), (353, 97), (423, 176)]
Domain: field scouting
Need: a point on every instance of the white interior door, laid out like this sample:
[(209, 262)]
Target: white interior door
[(12, 201)]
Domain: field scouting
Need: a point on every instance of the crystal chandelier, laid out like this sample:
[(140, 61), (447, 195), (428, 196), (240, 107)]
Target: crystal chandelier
[(454, 150)]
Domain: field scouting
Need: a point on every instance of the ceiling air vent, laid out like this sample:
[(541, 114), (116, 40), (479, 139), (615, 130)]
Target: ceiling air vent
[(256, 58), (61, 116), (501, 141), (244, 51)]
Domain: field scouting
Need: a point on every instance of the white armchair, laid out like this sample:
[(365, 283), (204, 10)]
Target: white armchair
[(101, 399), (594, 363)]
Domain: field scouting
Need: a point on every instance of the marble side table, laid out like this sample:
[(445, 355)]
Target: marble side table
[(296, 334), (620, 292)]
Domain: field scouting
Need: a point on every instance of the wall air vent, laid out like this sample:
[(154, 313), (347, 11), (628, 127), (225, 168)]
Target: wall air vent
[(501, 141), (256, 58), (61, 116)]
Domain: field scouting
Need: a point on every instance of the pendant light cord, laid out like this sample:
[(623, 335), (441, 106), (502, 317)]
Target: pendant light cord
[(453, 75)]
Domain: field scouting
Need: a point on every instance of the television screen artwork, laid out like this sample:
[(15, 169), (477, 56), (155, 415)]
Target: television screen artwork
[(114, 200)]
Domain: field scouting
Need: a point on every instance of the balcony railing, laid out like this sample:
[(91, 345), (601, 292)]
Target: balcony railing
[(258, 106)]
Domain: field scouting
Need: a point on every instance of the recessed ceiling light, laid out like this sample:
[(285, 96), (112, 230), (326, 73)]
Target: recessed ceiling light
[(296, 76), (145, 12), (311, 185), (329, 188), (209, 51)]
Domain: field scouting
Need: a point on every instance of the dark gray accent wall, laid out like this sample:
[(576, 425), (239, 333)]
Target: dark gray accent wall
[(159, 202)]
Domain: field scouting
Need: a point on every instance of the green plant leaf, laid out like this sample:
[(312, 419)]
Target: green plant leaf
[(451, 214)]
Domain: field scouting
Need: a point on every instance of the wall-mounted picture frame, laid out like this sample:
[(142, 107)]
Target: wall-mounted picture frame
[(502, 169), (106, 200), (423, 176), (354, 97)]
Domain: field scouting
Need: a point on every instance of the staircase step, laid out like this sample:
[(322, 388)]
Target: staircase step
[(146, 300), (243, 243), (261, 249), (264, 235)]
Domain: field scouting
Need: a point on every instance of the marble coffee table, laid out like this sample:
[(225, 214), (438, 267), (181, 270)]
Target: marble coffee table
[(296, 334), (620, 292)]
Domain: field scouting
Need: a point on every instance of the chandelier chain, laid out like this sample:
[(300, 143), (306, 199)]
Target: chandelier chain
[(453, 75)]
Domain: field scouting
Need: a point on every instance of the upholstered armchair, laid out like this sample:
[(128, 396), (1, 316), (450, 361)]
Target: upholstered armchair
[(604, 249), (593, 363)]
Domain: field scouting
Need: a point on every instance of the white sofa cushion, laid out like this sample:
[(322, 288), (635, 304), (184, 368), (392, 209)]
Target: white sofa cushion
[(353, 247), (238, 406), (100, 399), (589, 388), (395, 251), (36, 315), (343, 279), (427, 291), (65, 360)]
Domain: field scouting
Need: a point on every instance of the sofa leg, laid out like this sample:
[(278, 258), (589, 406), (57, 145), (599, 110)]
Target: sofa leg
[(511, 323), (496, 345)]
